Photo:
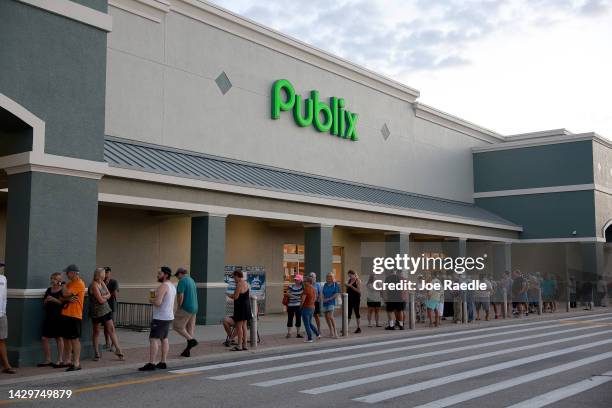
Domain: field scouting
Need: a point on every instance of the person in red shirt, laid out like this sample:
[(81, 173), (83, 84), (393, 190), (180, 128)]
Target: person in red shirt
[(308, 307)]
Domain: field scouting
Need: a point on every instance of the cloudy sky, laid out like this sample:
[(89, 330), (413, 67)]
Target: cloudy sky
[(512, 66)]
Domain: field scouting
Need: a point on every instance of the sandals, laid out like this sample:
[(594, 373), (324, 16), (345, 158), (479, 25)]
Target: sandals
[(120, 355), (73, 368), (236, 348), (96, 357)]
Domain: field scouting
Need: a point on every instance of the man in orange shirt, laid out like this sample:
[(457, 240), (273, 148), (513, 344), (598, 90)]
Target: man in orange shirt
[(73, 295)]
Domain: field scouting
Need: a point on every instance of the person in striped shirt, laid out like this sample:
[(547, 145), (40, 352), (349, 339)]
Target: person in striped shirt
[(294, 293)]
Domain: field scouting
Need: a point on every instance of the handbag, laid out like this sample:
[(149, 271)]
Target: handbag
[(285, 300)]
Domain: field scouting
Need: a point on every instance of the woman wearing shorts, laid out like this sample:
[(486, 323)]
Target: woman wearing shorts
[(330, 290), (373, 300), (101, 313), (433, 299)]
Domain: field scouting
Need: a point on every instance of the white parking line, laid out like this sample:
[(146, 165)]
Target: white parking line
[(397, 392), (362, 355), (376, 344), (323, 373), (539, 401), (564, 392), (446, 363)]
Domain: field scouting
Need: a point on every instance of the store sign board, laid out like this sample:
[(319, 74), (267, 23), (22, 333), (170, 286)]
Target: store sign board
[(332, 117)]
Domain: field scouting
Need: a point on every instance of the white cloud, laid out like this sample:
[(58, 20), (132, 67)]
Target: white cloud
[(513, 66)]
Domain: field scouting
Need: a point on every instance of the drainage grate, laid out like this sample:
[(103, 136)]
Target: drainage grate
[(223, 83), (385, 132)]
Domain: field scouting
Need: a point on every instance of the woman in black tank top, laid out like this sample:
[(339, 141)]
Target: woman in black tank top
[(242, 310)]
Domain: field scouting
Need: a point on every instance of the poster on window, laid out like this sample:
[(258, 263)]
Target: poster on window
[(256, 279)]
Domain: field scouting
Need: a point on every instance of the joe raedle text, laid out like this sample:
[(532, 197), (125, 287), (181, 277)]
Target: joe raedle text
[(446, 284)]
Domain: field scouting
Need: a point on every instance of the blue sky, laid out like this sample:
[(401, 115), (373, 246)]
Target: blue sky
[(512, 66)]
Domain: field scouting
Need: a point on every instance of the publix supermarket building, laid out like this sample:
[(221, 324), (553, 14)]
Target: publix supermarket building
[(138, 133)]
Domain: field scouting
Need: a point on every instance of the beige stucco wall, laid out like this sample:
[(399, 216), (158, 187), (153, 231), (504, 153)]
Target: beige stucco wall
[(161, 89), (137, 242), (603, 212)]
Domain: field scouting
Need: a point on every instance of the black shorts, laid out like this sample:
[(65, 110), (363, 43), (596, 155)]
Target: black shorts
[(103, 319), (373, 304), (396, 306), (71, 327), (52, 327), (159, 329), (317, 311)]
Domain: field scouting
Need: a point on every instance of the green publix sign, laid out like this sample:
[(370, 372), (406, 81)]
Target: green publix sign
[(332, 118)]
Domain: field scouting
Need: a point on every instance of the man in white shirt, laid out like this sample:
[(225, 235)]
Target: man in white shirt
[(6, 366), (163, 315)]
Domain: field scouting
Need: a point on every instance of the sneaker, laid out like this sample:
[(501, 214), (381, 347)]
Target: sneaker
[(186, 353), (401, 327), (147, 367), (358, 330), (389, 328), (192, 343), (299, 336), (319, 336), (161, 365), (309, 341)]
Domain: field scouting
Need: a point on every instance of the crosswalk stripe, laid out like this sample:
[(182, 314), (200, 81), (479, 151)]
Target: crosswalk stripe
[(362, 355), (318, 374), (375, 344), (446, 363), (397, 392), (564, 392), (479, 392)]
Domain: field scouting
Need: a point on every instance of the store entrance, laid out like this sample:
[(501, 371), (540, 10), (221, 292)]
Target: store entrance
[(293, 262)]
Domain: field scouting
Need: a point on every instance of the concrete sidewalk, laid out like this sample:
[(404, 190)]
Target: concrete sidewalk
[(272, 329)]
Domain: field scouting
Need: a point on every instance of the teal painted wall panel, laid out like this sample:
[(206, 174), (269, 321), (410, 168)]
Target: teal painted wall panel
[(553, 215), (56, 68), (538, 166)]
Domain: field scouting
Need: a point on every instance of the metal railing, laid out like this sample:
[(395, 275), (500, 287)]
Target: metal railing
[(135, 316)]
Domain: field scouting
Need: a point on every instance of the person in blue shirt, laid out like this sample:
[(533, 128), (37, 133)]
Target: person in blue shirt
[(330, 291), (185, 316)]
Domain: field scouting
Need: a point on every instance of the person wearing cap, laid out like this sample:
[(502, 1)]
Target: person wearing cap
[(6, 366), (185, 316), (163, 314), (73, 296), (294, 294)]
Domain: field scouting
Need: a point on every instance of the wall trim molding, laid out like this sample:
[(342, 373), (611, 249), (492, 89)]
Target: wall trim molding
[(37, 124), (559, 240), (535, 190), (118, 5), (74, 11), (153, 285), (31, 293), (298, 218), (543, 141), (49, 163), (449, 121), (251, 191)]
